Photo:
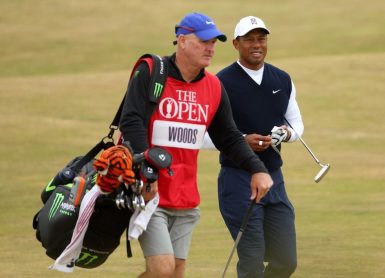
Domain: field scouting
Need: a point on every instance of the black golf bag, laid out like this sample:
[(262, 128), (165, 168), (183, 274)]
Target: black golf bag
[(55, 222)]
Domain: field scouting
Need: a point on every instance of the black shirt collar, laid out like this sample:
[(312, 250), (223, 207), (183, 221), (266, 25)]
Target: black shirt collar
[(174, 72)]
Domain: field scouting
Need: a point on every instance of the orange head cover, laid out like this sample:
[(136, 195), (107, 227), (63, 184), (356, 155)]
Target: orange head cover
[(114, 166)]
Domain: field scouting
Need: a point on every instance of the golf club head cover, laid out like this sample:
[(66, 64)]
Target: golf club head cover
[(155, 158), (148, 174), (114, 166), (158, 157), (278, 134)]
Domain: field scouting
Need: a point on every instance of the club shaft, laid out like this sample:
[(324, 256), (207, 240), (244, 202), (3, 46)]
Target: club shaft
[(303, 142), (308, 149), (239, 235), (232, 253)]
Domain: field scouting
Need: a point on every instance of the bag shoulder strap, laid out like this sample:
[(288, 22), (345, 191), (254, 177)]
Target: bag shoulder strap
[(158, 77), (158, 71)]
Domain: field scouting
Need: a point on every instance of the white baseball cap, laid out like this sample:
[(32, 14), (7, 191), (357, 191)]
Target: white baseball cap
[(247, 24)]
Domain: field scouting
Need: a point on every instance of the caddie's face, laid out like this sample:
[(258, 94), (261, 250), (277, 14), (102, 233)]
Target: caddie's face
[(199, 52), (252, 48)]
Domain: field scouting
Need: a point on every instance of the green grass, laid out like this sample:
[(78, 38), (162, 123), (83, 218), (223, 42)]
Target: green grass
[(64, 67)]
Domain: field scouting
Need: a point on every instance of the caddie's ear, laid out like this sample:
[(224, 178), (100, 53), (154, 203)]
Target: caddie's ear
[(181, 39)]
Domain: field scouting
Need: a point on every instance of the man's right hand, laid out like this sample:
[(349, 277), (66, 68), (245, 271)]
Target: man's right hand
[(260, 185), (258, 142)]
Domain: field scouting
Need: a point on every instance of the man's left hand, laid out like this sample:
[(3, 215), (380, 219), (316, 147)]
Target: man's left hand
[(279, 134)]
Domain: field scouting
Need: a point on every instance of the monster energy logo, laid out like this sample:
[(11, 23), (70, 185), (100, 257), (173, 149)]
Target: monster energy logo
[(86, 258), (59, 197), (158, 89), (94, 179)]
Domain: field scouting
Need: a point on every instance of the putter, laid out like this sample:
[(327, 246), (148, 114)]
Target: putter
[(324, 167), (239, 235)]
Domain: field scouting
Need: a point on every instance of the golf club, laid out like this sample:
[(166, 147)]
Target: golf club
[(239, 235), (324, 167)]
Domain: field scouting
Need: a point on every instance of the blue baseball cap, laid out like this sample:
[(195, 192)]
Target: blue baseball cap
[(201, 25)]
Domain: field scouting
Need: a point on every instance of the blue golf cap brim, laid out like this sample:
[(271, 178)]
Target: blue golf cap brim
[(209, 34)]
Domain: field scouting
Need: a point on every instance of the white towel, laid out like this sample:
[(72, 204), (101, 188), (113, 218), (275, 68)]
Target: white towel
[(66, 261), (138, 223), (140, 218)]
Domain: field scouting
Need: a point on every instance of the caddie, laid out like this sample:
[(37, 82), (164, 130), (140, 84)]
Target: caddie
[(193, 102)]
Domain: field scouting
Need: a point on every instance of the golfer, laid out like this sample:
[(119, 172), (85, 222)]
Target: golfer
[(261, 95), (193, 102)]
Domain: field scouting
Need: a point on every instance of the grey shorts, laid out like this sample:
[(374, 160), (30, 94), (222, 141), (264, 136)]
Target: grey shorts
[(169, 231)]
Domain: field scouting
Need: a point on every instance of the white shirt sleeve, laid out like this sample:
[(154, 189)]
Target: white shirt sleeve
[(207, 143), (293, 116)]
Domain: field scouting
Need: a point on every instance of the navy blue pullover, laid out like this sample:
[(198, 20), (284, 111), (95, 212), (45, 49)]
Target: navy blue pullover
[(257, 108)]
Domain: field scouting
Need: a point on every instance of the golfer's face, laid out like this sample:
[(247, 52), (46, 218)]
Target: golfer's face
[(252, 48), (200, 52)]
